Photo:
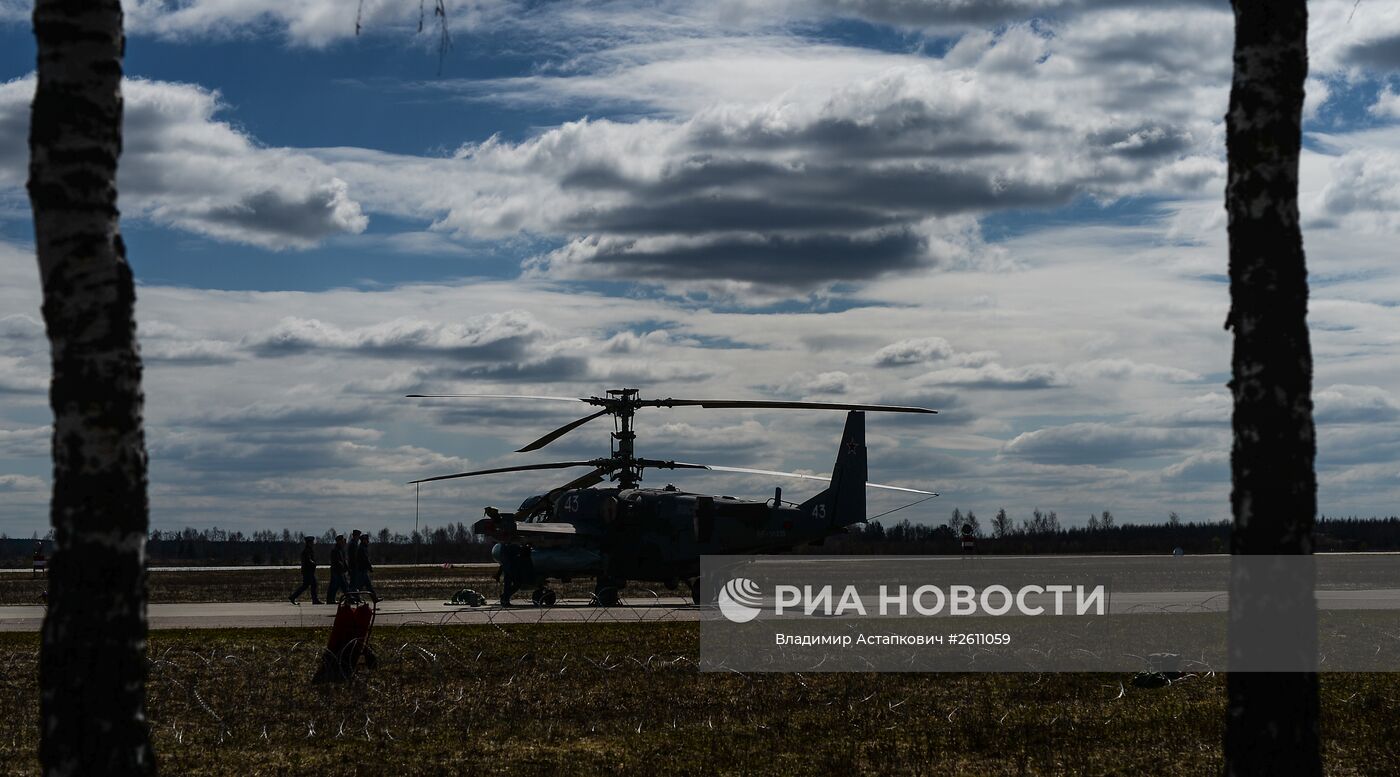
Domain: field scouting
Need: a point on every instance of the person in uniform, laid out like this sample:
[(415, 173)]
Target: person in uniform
[(360, 568), (517, 570), (308, 572), (339, 566), (352, 554)]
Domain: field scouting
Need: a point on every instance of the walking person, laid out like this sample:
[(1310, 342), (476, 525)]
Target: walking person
[(340, 564), (308, 573), (352, 555), (361, 567)]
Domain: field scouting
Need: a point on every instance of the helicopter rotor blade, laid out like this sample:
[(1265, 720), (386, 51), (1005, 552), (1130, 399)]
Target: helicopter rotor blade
[(521, 468), (596, 476), (781, 404), (749, 471), (561, 431), (658, 464)]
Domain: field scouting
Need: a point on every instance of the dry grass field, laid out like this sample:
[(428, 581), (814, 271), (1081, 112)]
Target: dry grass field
[(627, 699)]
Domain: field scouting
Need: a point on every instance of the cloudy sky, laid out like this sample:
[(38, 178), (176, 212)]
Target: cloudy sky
[(1007, 210)]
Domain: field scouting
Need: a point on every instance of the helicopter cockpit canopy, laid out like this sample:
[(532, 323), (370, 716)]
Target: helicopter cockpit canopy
[(528, 506)]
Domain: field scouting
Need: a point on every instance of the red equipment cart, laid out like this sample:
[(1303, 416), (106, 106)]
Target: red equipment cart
[(349, 640)]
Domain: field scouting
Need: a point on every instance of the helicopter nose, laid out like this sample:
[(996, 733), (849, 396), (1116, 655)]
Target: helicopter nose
[(496, 552)]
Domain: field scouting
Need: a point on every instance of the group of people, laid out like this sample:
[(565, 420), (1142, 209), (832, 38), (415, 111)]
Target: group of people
[(350, 569)]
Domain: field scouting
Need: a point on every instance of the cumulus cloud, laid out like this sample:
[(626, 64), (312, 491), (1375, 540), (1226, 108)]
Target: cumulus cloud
[(311, 23), (995, 376), (784, 182), (23, 376), (633, 342), (1347, 404), (493, 337), (958, 14), (1126, 368), (1203, 467), (19, 334), (284, 415), (1097, 443), (183, 167), (26, 442), (913, 351), (10, 484), (805, 384), (1363, 192), (1205, 410), (885, 169), (1387, 104), (1344, 35), (167, 344)]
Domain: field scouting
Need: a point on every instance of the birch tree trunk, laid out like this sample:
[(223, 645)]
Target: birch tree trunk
[(92, 666), (1272, 717)]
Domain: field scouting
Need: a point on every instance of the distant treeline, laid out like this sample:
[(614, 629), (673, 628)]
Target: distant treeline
[(198, 547), (1041, 533)]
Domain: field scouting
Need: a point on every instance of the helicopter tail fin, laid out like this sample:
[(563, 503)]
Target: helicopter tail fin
[(843, 502)]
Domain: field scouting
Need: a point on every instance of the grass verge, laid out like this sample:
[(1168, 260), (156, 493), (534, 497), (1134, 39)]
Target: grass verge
[(627, 698)]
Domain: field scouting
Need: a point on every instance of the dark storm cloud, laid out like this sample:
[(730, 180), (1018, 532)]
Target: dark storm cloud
[(928, 188), (1379, 54), (302, 217), (724, 214), (702, 196), (800, 261)]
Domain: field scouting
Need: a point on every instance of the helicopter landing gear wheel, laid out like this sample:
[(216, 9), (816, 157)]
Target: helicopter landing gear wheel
[(607, 593), (543, 597)]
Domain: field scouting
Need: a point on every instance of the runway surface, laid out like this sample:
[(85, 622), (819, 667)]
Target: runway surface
[(637, 609), (483, 567), (255, 615)]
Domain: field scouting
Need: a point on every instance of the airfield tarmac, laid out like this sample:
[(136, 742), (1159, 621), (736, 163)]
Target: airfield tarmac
[(636, 609), (480, 567), (263, 615)]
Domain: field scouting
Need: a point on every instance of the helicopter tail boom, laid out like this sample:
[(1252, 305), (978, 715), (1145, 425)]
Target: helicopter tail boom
[(843, 502)]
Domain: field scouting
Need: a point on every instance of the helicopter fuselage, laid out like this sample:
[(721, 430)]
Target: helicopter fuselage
[(655, 534)]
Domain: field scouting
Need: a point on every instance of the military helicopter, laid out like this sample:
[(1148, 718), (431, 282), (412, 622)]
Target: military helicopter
[(626, 532)]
